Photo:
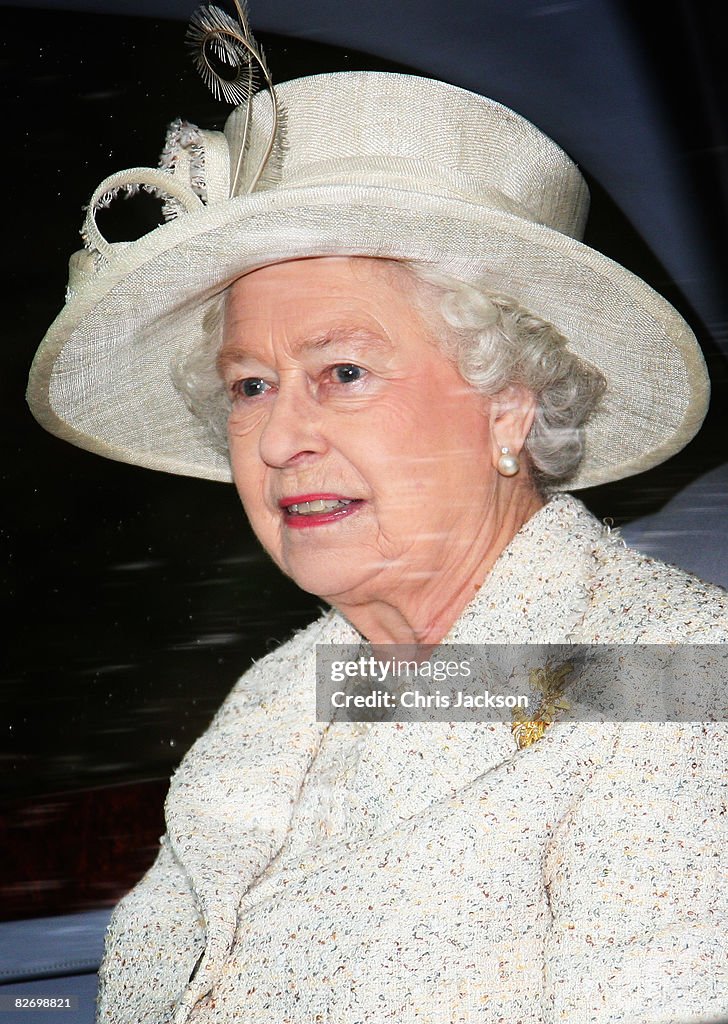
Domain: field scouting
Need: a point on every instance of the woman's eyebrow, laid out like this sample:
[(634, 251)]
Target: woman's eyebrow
[(355, 337), (228, 357)]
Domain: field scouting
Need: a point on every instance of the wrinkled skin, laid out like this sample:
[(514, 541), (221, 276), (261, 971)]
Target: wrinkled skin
[(339, 389)]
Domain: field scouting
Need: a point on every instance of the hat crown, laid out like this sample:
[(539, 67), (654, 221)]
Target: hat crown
[(418, 134)]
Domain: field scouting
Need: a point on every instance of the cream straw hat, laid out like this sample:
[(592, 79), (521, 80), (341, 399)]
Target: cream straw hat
[(374, 164)]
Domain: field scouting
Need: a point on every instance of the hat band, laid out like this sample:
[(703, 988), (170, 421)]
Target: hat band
[(421, 176)]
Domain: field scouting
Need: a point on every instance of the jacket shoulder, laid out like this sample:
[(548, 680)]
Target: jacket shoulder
[(638, 599)]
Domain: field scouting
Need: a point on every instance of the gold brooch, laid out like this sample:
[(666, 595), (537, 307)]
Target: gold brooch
[(551, 683)]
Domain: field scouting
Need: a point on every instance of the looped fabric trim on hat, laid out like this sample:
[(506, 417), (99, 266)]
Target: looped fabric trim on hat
[(148, 178), (378, 165), (200, 158)]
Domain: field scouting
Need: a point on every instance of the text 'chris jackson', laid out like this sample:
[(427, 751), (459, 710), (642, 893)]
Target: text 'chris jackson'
[(419, 699)]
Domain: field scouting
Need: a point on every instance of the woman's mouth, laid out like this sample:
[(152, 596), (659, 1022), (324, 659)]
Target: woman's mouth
[(317, 509)]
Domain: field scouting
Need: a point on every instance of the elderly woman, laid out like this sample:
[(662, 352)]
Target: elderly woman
[(387, 333)]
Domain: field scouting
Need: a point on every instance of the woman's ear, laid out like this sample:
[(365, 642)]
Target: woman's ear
[(511, 415)]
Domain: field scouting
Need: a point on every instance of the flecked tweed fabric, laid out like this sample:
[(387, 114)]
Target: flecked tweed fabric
[(433, 873)]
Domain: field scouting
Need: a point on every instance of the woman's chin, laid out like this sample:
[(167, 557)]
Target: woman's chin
[(337, 580)]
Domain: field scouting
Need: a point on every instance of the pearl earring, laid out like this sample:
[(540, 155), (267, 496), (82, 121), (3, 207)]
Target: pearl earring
[(508, 465)]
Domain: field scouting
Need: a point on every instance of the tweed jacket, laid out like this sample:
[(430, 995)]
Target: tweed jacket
[(434, 872)]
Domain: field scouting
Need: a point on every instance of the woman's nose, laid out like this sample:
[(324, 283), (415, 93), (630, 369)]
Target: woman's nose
[(292, 431)]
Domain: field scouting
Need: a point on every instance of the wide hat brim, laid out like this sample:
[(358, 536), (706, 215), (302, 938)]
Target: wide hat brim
[(101, 377)]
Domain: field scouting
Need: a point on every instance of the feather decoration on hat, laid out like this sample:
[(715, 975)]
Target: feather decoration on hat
[(232, 65)]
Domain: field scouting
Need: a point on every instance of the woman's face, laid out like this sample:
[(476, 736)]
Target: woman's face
[(363, 460)]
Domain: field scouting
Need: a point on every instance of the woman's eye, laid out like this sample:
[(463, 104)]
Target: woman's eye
[(347, 373), (250, 387)]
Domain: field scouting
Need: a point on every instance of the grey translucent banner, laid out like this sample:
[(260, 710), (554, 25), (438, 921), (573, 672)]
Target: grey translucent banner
[(523, 682)]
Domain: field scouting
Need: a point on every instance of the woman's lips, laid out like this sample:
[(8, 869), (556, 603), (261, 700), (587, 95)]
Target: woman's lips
[(305, 510)]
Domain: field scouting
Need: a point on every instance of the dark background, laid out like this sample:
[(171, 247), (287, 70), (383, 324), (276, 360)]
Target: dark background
[(135, 599)]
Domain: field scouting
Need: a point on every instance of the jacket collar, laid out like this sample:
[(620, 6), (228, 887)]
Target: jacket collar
[(537, 591)]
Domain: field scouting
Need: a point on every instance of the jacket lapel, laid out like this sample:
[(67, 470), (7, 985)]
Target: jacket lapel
[(231, 801)]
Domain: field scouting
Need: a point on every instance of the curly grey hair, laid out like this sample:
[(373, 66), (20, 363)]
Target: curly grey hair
[(494, 342)]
